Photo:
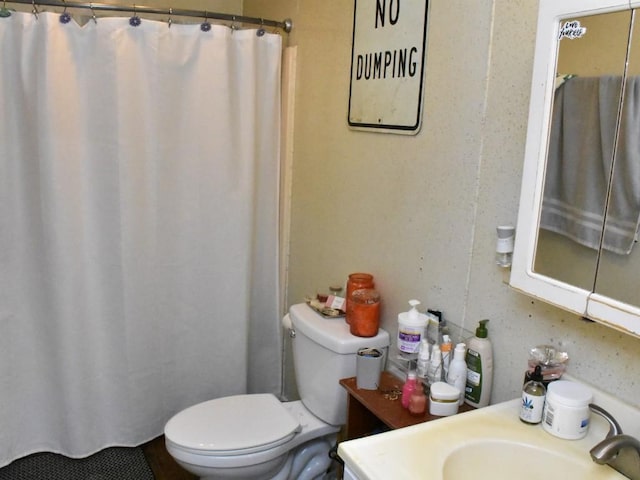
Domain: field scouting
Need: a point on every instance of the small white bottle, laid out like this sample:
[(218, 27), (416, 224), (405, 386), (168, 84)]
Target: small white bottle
[(435, 365), (423, 361), (445, 348), (479, 360), (533, 395), (458, 370)]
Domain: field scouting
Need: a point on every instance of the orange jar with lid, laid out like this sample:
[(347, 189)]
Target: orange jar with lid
[(355, 282), (365, 313)]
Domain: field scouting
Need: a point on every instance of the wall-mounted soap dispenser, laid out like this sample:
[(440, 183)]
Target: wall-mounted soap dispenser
[(504, 245)]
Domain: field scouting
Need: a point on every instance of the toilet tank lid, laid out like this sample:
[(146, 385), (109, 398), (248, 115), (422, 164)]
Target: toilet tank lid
[(332, 333)]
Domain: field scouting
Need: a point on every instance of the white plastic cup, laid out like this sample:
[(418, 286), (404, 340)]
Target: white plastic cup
[(369, 362)]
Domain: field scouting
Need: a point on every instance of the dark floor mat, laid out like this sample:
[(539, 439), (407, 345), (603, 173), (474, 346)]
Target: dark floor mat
[(116, 463)]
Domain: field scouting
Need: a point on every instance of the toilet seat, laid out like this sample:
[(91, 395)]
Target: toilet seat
[(229, 426)]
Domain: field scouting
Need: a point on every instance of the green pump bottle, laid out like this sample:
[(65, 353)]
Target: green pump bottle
[(479, 360)]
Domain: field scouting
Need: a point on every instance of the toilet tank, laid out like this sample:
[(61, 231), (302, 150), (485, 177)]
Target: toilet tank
[(324, 351)]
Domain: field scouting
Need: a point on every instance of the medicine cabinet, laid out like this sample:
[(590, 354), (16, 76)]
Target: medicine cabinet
[(577, 232)]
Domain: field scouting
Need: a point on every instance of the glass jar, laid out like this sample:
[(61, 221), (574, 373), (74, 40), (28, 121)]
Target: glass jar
[(335, 290), (355, 282), (365, 313)]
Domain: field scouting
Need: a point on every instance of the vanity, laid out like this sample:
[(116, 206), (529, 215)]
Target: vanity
[(487, 443), (577, 232), (374, 411)]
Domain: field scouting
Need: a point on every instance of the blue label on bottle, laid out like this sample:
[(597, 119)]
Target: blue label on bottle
[(409, 337)]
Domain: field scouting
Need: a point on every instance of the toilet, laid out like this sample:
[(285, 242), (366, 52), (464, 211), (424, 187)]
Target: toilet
[(255, 436)]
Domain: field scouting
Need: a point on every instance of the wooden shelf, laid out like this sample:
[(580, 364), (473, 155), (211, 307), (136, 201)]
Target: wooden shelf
[(373, 411)]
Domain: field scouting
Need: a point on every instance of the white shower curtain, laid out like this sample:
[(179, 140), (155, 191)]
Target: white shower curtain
[(138, 226)]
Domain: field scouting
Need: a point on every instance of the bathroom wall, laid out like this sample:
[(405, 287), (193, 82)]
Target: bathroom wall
[(420, 212)]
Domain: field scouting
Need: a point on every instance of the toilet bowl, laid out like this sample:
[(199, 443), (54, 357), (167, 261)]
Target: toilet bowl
[(250, 437), (258, 437)]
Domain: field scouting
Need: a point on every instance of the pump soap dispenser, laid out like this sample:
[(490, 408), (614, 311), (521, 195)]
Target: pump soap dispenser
[(411, 328), (479, 360)]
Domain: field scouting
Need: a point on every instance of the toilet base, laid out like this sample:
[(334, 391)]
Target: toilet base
[(309, 461), (261, 471)]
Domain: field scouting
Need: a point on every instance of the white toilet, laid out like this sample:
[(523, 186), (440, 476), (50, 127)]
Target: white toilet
[(258, 437)]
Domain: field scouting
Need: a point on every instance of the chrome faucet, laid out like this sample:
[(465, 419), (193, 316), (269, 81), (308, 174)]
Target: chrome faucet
[(614, 426), (619, 451)]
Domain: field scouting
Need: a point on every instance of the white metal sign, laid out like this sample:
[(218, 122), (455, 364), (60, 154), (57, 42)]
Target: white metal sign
[(387, 65)]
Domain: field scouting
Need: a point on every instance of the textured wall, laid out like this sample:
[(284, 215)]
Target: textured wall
[(420, 212)]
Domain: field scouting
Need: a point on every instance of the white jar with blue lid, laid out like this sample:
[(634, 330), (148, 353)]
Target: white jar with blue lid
[(566, 411)]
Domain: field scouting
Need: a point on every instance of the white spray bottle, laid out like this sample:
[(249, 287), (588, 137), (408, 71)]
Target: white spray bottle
[(445, 348), (435, 365), (423, 361), (458, 370)]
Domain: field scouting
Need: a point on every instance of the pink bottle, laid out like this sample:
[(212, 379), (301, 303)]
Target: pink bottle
[(409, 386), (418, 401)]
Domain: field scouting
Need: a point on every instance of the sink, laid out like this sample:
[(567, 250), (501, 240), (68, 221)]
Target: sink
[(488, 443), (511, 461)]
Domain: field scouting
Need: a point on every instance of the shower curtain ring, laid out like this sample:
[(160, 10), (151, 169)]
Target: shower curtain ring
[(64, 16), (169, 21), (93, 14), (4, 11), (34, 9), (135, 21), (233, 24), (205, 26), (261, 31)]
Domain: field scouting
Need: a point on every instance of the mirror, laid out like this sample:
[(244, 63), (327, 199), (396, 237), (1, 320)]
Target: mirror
[(576, 241), (590, 65), (619, 274)]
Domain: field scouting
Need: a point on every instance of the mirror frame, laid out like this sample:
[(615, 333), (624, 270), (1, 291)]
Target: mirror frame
[(586, 303)]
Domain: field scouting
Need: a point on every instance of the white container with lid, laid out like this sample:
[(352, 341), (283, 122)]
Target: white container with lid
[(566, 411), (443, 399)]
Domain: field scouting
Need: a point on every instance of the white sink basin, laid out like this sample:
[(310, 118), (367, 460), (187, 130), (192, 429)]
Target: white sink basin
[(489, 443), (513, 461)]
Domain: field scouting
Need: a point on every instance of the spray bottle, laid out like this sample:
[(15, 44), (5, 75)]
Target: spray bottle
[(435, 365), (458, 370), (423, 361), (446, 348)]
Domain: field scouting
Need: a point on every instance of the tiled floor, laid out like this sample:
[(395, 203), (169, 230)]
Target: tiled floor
[(163, 465)]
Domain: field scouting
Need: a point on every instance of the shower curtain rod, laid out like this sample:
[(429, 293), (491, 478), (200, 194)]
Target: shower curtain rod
[(285, 25)]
